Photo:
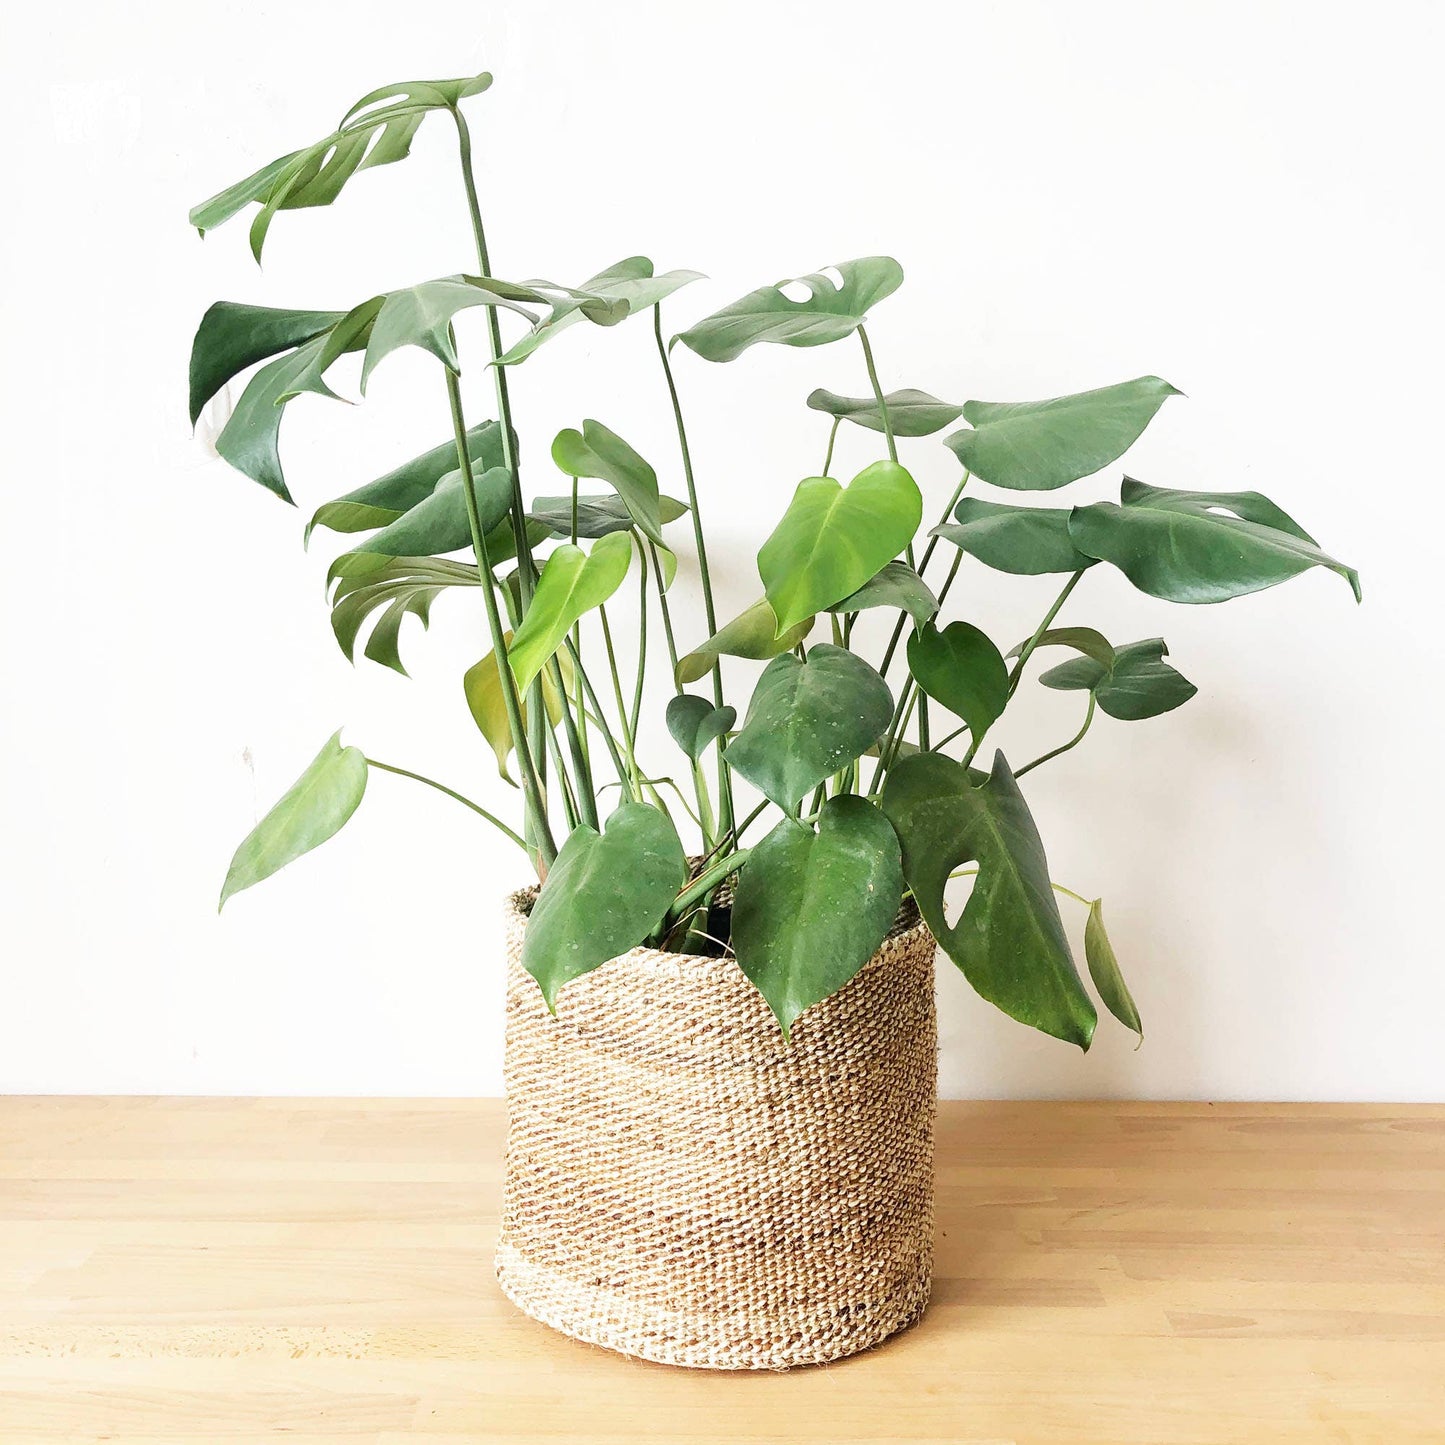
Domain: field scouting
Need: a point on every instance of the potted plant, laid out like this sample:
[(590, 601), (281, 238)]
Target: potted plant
[(720, 1034)]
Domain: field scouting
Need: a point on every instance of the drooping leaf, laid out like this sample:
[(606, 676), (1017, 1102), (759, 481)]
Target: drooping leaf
[(1082, 639), (806, 720), (833, 539), (1104, 970), (752, 634), (961, 668), (911, 413), (1009, 941), (1040, 445), (1139, 685), (313, 809), (829, 313), (233, 336), (371, 134), (812, 907), (439, 522), (895, 585), (1026, 541), (1199, 546), (572, 582), (597, 451), (604, 895), (482, 685), (597, 516), (630, 281), (695, 722)]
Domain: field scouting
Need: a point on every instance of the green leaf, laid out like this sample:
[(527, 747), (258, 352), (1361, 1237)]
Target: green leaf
[(1037, 446), (752, 634), (695, 722), (233, 336), (439, 523), (572, 582), (604, 895), (598, 452), (963, 670), (482, 685), (1104, 970), (833, 539), (1139, 685), (829, 313), (895, 585), (1026, 541), (1082, 639), (911, 413), (597, 516), (314, 809), (317, 174), (807, 720), (390, 497), (1009, 941), (813, 907), (1185, 547), (629, 281)]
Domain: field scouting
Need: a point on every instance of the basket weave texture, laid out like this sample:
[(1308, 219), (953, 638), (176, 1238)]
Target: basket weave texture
[(683, 1186)]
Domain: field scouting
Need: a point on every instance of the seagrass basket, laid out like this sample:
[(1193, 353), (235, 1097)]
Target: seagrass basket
[(683, 1186)]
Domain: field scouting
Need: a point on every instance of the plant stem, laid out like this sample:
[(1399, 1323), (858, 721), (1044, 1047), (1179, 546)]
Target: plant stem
[(928, 552), (704, 884), (1043, 627), (451, 793), (618, 762), (1073, 742), (635, 723), (882, 404), (832, 437), (629, 747)]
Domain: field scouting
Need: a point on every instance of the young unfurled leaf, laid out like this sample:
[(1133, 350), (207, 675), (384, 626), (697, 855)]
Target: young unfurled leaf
[(314, 808), (833, 539), (829, 313), (604, 895), (695, 722), (1026, 541), (911, 413), (894, 585), (233, 336), (1199, 546), (482, 685), (807, 719), (812, 907), (597, 451), (597, 516), (961, 668), (752, 634), (1104, 970), (1041, 445), (572, 582), (1009, 941), (1138, 685)]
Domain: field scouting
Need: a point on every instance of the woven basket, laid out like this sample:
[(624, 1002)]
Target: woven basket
[(683, 1186)]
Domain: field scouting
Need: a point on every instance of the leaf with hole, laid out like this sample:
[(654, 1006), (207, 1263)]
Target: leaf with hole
[(313, 809), (605, 894), (695, 723), (829, 312), (1139, 685), (911, 413), (1199, 546), (1040, 445), (813, 906), (1009, 941), (961, 668), (894, 585), (598, 452), (752, 634), (1026, 541), (1104, 970), (807, 719)]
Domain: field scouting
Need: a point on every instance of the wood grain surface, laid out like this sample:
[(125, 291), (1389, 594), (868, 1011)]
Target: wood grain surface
[(1108, 1274)]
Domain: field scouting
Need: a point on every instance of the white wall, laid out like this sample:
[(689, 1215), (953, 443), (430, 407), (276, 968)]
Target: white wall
[(1243, 198)]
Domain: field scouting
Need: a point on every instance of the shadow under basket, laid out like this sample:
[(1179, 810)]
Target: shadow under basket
[(683, 1186)]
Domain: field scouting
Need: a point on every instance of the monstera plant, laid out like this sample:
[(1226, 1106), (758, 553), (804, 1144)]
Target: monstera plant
[(869, 762)]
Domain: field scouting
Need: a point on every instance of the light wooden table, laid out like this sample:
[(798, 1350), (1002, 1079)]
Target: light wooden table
[(219, 1271)]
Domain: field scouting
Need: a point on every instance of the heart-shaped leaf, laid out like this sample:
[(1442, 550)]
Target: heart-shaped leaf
[(752, 634), (961, 668), (806, 720), (233, 336), (1104, 970), (1199, 546), (439, 523), (596, 451), (695, 722), (1139, 685), (812, 907), (911, 413), (314, 808), (603, 896), (895, 585), (572, 582), (1082, 639), (597, 516), (487, 704), (828, 313), (833, 539), (1009, 941), (1027, 541), (1039, 445)]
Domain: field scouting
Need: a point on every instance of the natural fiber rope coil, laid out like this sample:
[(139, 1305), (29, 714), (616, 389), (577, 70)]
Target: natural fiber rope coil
[(684, 1186)]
